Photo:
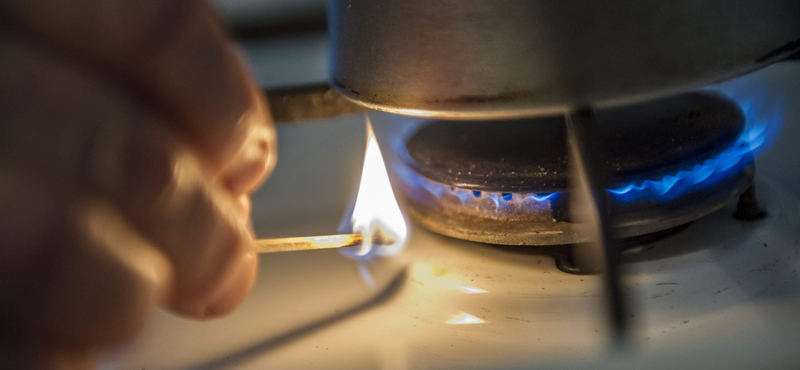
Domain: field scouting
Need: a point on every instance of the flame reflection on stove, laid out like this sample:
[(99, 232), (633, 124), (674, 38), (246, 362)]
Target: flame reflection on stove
[(464, 318), (469, 289), (376, 214), (437, 278)]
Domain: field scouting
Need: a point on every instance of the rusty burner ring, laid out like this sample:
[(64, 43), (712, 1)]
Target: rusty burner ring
[(505, 182)]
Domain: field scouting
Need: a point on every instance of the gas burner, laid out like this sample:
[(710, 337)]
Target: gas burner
[(672, 160)]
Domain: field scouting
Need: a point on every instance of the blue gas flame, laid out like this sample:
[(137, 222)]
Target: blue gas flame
[(763, 122), (761, 128), (467, 197)]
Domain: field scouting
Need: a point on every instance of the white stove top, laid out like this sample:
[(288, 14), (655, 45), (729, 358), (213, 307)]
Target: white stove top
[(720, 294)]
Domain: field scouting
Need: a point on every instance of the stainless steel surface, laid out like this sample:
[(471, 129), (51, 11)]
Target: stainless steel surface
[(485, 59)]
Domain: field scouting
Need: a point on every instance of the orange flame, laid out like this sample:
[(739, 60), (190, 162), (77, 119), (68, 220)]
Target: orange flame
[(376, 214)]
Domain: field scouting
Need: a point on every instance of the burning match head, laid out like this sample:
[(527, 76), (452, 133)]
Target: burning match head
[(382, 239), (377, 243), (376, 214)]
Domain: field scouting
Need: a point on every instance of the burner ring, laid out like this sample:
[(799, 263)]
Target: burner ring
[(537, 230), (473, 180)]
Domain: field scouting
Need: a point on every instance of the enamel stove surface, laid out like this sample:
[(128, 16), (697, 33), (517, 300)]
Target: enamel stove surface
[(720, 294)]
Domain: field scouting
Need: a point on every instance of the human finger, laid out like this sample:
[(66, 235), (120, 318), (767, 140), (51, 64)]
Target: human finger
[(70, 129), (177, 55), (31, 357), (73, 273)]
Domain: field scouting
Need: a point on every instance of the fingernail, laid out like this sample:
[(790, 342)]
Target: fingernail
[(236, 290)]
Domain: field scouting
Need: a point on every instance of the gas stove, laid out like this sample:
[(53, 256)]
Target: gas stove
[(673, 160), (717, 293)]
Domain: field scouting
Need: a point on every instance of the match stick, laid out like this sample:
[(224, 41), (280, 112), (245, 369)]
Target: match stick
[(305, 243)]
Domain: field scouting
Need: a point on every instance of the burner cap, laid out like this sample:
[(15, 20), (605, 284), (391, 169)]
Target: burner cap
[(643, 141)]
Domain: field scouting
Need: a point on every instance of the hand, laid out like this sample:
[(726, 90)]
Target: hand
[(130, 137)]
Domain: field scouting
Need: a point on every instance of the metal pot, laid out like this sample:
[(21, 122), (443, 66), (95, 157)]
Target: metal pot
[(490, 59)]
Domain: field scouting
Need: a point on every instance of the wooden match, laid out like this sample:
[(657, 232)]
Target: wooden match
[(305, 243)]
